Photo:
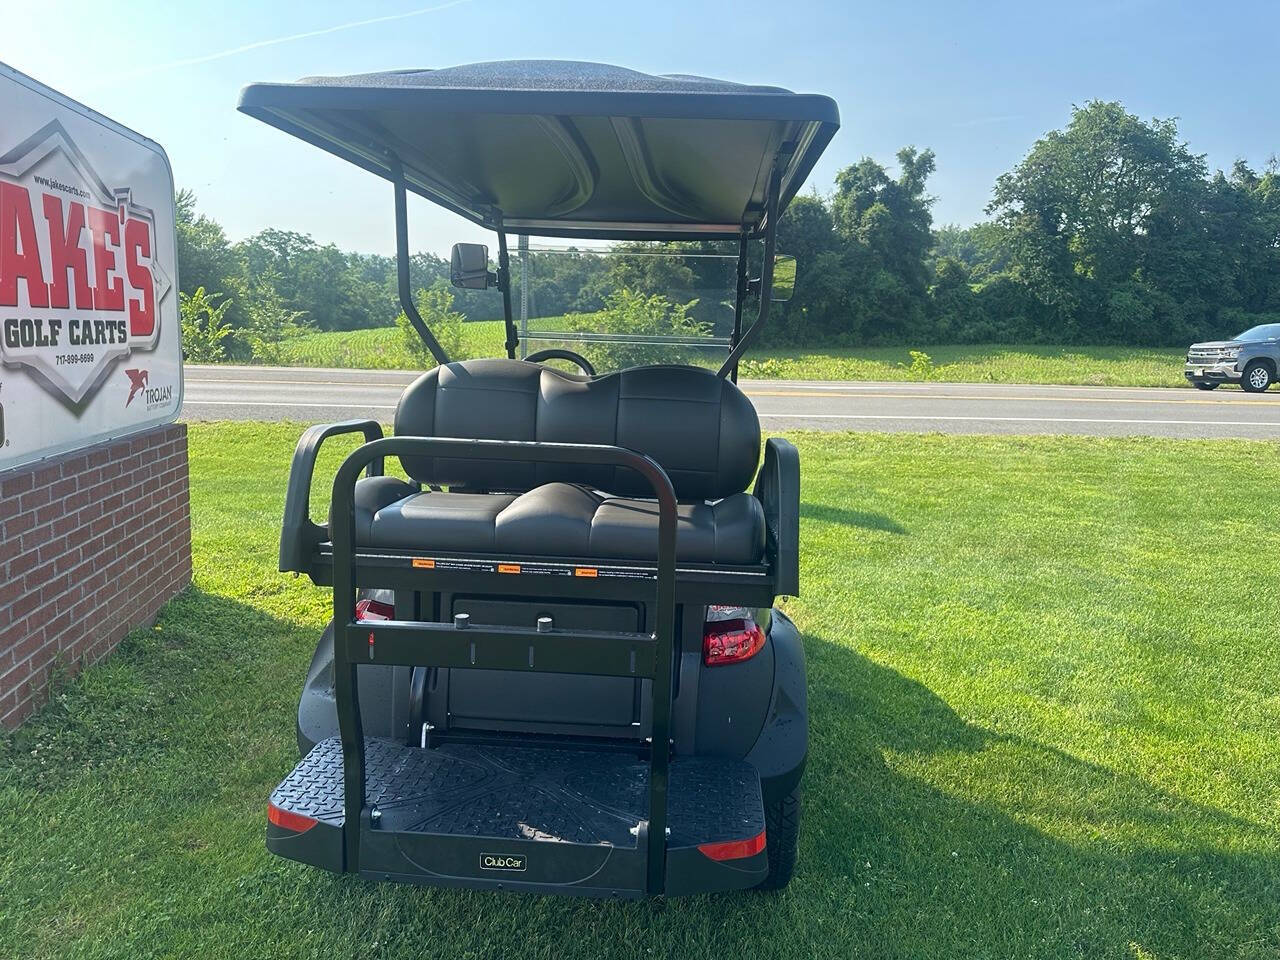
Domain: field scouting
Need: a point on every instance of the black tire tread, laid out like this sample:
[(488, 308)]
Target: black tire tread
[(782, 836)]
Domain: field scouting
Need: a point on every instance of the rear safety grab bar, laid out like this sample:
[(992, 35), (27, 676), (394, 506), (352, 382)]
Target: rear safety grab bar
[(299, 535), (342, 535)]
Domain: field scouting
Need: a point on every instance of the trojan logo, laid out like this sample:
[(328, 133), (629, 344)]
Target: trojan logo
[(80, 284), (137, 381)]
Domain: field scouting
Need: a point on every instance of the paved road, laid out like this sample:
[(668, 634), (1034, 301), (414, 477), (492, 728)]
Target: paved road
[(293, 393)]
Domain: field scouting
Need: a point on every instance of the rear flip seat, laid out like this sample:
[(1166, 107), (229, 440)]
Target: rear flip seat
[(702, 430)]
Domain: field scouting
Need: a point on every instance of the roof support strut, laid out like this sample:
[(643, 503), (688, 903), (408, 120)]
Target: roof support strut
[(730, 364), (739, 296), (504, 284), (402, 264)]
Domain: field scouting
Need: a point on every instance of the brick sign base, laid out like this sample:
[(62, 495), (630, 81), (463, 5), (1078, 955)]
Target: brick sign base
[(92, 544)]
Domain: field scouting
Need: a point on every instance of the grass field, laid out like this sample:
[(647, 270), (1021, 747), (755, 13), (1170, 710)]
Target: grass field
[(1043, 724), (1100, 366), (1093, 366)]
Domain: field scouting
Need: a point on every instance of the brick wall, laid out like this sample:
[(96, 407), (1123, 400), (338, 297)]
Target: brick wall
[(92, 544)]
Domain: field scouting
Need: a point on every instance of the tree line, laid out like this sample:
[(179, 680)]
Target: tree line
[(1109, 231)]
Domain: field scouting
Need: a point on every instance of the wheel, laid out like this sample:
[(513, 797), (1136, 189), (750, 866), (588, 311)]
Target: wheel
[(1205, 385), (782, 833), (1257, 377), (557, 353)]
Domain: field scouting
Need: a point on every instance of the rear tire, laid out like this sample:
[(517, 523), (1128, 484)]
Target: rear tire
[(1205, 385), (1257, 377), (782, 835)]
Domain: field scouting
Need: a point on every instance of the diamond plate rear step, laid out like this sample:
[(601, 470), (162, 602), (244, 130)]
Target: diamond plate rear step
[(520, 817)]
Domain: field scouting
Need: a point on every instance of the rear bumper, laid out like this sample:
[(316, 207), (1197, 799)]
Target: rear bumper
[(546, 821), (1212, 373)]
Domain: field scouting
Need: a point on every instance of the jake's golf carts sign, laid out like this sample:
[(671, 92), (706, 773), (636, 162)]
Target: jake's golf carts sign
[(89, 331)]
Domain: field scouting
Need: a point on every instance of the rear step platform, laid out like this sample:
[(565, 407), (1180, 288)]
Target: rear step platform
[(540, 819)]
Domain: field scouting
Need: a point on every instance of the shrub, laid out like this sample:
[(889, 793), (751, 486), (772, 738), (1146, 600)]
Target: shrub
[(922, 367), (203, 327), (636, 314), (435, 304)]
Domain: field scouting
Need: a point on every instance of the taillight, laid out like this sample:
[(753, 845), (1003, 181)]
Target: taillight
[(374, 610), (289, 820), (733, 849), (730, 635)]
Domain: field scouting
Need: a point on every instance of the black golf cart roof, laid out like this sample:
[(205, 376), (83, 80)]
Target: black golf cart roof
[(562, 148)]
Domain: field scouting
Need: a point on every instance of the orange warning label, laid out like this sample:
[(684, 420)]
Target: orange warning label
[(508, 568), (424, 562), (585, 572)]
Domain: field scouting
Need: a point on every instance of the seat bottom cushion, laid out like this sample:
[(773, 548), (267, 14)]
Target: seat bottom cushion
[(565, 520)]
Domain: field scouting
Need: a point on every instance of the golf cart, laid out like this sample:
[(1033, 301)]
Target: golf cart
[(554, 665)]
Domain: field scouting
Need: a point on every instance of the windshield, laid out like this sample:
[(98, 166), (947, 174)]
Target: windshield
[(1265, 331), (627, 304)]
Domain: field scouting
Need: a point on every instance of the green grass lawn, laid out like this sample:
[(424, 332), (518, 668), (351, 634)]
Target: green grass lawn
[(1044, 710), (1093, 366), (381, 348), (1098, 366)]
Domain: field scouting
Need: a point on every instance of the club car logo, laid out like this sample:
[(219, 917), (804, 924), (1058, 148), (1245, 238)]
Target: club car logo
[(503, 861), (80, 284)]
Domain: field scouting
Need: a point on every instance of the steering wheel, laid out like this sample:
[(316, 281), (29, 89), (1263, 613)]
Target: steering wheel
[(557, 353)]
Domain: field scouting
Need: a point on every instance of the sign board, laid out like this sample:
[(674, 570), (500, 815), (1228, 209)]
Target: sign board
[(90, 340)]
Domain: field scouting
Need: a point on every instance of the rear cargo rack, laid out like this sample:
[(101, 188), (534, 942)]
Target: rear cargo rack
[(640, 655)]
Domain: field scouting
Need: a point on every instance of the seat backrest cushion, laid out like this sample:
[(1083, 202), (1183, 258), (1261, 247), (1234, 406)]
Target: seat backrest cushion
[(700, 428)]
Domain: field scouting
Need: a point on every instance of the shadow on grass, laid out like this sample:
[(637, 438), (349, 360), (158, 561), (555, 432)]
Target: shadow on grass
[(843, 516), (207, 659)]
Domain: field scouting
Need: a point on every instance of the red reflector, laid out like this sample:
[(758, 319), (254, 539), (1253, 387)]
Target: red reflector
[(374, 610), (730, 641), (733, 849), (288, 820)]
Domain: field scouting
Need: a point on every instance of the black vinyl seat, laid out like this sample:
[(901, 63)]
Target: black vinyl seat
[(555, 519), (701, 429)]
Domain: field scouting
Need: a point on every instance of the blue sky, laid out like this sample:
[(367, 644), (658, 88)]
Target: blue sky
[(977, 82)]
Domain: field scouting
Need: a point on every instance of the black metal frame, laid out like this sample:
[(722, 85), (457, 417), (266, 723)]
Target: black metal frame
[(402, 263), (427, 644), (504, 284), (743, 342), (300, 536)]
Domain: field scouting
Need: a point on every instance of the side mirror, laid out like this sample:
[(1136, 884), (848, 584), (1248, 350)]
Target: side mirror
[(469, 267), (784, 278)]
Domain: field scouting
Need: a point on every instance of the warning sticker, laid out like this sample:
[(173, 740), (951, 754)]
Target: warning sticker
[(531, 569)]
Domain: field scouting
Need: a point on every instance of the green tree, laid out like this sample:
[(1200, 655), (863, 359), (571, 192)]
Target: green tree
[(271, 324), (807, 233), (204, 327), (883, 226), (1104, 214), (956, 309), (205, 257), (982, 248)]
